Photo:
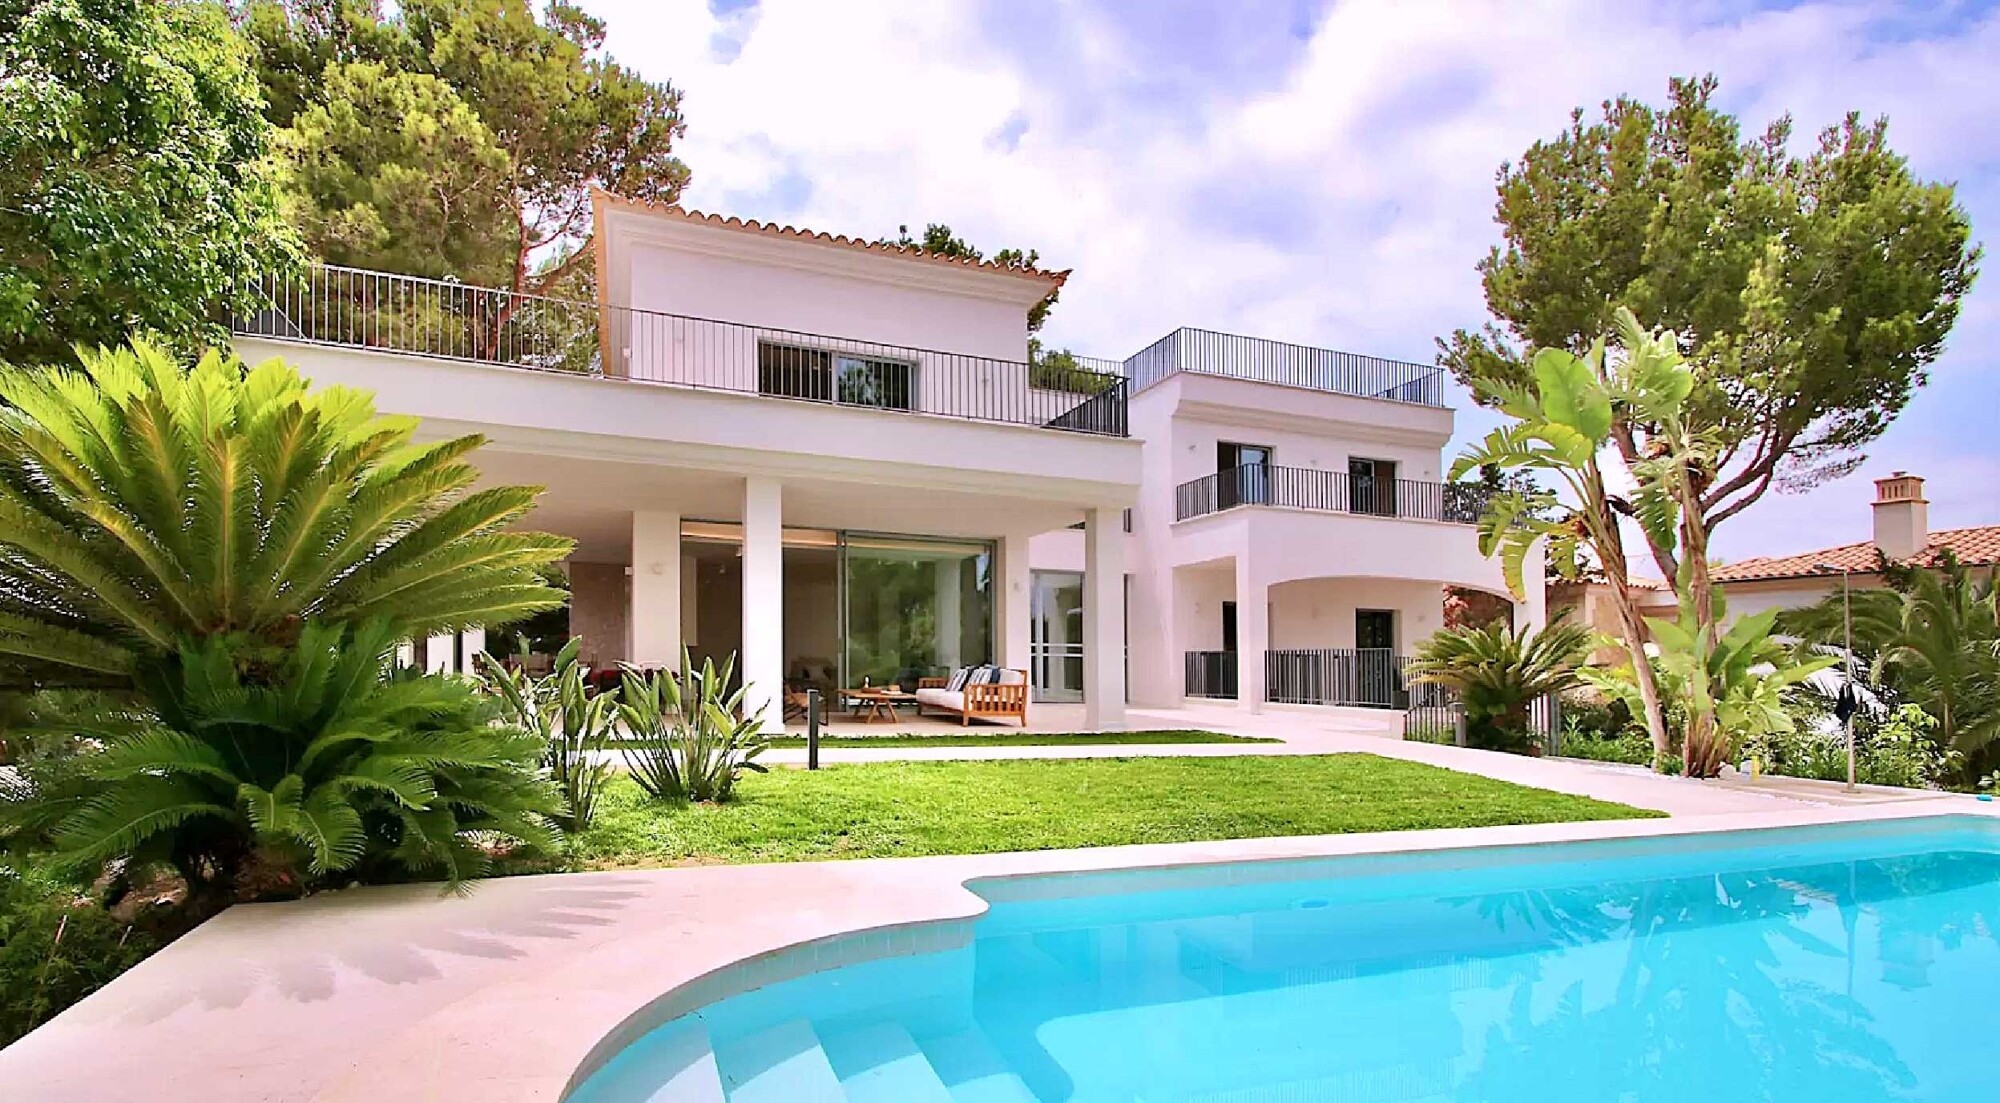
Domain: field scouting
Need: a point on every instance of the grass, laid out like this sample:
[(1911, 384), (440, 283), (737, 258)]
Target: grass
[(978, 738), (912, 808)]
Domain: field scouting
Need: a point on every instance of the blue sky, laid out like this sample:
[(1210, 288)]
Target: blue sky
[(1308, 171)]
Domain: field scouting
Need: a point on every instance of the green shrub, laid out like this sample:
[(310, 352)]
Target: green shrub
[(1629, 746), (572, 724), (687, 736), (57, 945), (1902, 750), (1498, 673)]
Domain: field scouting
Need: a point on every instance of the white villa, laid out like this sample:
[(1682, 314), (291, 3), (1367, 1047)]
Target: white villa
[(836, 460)]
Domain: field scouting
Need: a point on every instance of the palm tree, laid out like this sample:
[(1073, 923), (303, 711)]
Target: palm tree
[(1932, 639), (144, 504), (324, 763), (1498, 672)]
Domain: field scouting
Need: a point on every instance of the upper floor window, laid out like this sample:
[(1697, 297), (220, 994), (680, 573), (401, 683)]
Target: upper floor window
[(823, 375)]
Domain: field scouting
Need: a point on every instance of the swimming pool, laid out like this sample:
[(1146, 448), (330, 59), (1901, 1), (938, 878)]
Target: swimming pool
[(1836, 963)]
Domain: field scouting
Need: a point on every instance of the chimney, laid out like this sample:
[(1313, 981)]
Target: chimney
[(1902, 516)]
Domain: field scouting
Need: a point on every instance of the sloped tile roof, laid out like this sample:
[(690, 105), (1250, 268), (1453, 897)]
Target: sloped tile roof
[(798, 233), (1973, 546)]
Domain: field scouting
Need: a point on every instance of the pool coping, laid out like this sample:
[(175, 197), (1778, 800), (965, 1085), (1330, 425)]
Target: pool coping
[(530, 1019)]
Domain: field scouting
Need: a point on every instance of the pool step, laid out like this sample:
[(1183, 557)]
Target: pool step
[(973, 1070), (783, 1064), (880, 1063), (672, 1063)]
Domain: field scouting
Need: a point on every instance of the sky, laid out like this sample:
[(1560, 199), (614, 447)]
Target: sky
[(1309, 171)]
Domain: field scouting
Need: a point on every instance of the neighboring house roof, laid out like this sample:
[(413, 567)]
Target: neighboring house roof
[(772, 229), (1973, 547)]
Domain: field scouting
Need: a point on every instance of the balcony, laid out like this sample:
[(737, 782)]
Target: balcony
[(348, 307), (1329, 491), (1204, 352)]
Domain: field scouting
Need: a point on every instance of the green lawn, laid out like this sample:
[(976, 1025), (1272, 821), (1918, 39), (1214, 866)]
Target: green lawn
[(1002, 738), (911, 808)]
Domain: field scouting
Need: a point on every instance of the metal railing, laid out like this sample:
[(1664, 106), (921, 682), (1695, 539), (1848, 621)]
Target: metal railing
[(1205, 352), (1436, 715), (1210, 674), (1369, 676), (1332, 491), (350, 307)]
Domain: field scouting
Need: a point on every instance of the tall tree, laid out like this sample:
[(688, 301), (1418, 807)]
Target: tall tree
[(136, 192), (506, 117), (1812, 291)]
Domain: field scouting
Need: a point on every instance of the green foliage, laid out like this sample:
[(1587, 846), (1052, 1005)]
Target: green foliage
[(270, 771), (56, 947), (1932, 639), (689, 736), (137, 191), (1813, 291), (144, 504), (1629, 746), (1741, 680), (505, 116), (1060, 371), (1498, 672), (572, 723), (1903, 750)]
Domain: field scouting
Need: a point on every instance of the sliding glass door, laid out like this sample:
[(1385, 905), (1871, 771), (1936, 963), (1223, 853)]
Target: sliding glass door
[(1055, 635), (915, 607)]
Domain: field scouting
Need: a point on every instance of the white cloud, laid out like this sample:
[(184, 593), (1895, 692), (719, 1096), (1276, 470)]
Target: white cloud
[(1341, 199)]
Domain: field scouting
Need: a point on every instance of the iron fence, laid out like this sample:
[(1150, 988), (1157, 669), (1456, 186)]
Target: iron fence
[(1436, 715), (350, 307), (1205, 352), (1210, 674), (1367, 676), (1331, 491)]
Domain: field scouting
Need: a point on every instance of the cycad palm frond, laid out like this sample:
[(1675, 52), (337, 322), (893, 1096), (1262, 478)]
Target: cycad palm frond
[(143, 503)]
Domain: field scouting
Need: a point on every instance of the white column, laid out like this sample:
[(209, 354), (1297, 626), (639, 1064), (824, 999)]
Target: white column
[(763, 658), (1013, 595), (1253, 635), (654, 618), (472, 641), (438, 654), (1104, 619)]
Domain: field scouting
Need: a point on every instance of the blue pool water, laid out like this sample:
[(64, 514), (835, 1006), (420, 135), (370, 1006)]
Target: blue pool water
[(1828, 965)]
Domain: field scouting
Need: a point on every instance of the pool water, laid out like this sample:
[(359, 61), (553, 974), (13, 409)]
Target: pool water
[(1828, 964)]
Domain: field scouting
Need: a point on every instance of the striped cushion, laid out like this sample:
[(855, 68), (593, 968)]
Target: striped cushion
[(958, 679)]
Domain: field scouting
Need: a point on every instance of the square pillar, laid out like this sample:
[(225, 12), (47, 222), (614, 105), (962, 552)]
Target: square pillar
[(1253, 635), (440, 653), (1014, 596), (471, 643), (1104, 619), (762, 663), (653, 619)]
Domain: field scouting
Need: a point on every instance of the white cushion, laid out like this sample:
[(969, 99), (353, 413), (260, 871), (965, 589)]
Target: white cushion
[(941, 698), (1009, 677)]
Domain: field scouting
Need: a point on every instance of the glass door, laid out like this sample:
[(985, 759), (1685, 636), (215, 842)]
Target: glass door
[(1244, 472), (1376, 678), (1055, 631), (1371, 486), (914, 608)]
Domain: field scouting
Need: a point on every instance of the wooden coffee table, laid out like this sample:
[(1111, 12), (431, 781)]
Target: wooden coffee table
[(878, 704)]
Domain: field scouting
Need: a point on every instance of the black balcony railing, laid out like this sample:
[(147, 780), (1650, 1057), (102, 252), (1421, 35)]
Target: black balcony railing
[(1205, 352), (345, 306), (1336, 676), (1333, 491), (1210, 674)]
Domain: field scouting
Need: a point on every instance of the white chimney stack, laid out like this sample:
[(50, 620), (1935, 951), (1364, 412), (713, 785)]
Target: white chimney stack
[(1902, 516)]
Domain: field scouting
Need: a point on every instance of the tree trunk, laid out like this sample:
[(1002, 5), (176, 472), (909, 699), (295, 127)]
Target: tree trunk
[(1611, 553)]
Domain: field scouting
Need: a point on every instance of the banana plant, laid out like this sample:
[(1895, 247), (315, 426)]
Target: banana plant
[(689, 737), (1562, 426)]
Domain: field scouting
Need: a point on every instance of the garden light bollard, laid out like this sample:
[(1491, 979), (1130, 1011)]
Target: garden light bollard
[(812, 729)]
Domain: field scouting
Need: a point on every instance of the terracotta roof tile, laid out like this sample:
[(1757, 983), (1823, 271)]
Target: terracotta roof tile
[(1973, 546), (772, 229)]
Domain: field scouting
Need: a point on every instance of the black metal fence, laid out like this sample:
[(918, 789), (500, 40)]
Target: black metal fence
[(1210, 674), (1332, 491), (1205, 352), (1368, 676), (1435, 715), (350, 307)]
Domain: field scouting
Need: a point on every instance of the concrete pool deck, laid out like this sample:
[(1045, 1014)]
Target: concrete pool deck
[(388, 994)]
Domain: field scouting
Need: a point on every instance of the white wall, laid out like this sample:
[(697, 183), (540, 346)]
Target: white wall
[(1320, 612)]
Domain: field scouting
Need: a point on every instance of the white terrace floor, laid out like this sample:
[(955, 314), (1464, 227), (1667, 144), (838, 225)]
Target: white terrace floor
[(394, 994)]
